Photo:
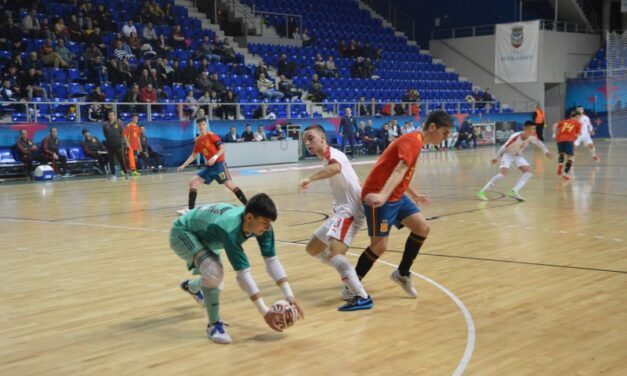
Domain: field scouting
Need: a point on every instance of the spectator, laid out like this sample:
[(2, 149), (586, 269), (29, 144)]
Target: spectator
[(466, 134), (203, 83), (122, 50), (128, 28), (156, 80), (288, 90), (175, 75), (135, 44), (315, 90), (191, 104), (162, 47), (94, 149), (362, 109), (65, 53), (266, 88), (148, 94), (260, 135), (330, 67), (231, 136), (248, 134), (168, 14), (285, 68), (259, 69), (217, 84), (189, 72), (227, 52), (30, 25), (26, 152), (207, 50), (154, 12), (148, 33), (368, 137), (204, 100), (8, 96), (130, 98), (177, 39), (30, 84), (395, 130), (348, 127), (97, 110), (278, 133), (51, 154), (144, 79), (408, 127), (384, 136), (32, 61), (229, 108)]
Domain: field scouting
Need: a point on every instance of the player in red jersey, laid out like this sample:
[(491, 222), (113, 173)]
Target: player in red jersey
[(385, 202), (211, 147), (567, 131)]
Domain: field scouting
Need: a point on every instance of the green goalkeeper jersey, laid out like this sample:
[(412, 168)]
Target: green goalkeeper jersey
[(219, 226)]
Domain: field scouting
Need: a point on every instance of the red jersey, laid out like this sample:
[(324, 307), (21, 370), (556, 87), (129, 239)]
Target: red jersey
[(407, 149), (568, 130), (208, 145), (131, 132)]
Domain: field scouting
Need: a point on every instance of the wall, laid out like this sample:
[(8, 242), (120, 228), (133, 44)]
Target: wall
[(559, 53)]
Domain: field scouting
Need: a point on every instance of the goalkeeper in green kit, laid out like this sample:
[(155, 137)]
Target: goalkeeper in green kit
[(198, 238)]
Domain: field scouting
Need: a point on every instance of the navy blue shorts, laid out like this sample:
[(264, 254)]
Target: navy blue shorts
[(566, 147), (217, 172), (380, 219)]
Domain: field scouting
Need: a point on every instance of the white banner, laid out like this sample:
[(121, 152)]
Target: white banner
[(623, 6), (516, 54)]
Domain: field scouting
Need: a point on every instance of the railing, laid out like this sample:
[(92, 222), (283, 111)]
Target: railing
[(473, 31), (598, 73), (396, 16), (74, 111), (285, 15)]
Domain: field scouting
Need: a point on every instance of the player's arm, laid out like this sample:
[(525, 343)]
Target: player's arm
[(396, 177), (189, 160), (499, 153), (217, 155), (541, 146), (328, 171), (417, 197)]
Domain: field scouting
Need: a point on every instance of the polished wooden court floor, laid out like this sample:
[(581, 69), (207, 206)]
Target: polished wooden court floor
[(89, 286)]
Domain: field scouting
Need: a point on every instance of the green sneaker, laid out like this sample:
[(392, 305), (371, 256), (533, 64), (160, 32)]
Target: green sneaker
[(135, 173), (482, 195), (515, 195)]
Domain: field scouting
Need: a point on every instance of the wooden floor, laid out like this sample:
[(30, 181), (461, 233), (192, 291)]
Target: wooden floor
[(89, 286)]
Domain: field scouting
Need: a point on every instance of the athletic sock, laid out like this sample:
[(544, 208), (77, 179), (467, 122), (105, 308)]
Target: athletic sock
[(569, 164), (192, 198), (212, 303), (240, 195), (498, 177), (366, 259), (412, 247), (194, 285), (348, 275), (524, 178)]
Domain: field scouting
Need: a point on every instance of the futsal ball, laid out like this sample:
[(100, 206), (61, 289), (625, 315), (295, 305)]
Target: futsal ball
[(288, 311), (44, 172)]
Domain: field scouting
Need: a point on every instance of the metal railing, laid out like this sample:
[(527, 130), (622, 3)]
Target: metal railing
[(74, 111), (394, 15), (285, 15), (480, 30)]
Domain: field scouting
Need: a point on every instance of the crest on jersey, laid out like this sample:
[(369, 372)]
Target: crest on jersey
[(383, 227), (517, 36)]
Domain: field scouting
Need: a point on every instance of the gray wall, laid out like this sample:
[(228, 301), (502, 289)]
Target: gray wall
[(473, 58)]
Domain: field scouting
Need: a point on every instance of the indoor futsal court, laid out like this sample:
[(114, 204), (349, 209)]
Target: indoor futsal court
[(90, 286)]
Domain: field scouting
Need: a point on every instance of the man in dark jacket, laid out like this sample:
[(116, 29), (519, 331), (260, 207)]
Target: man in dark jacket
[(115, 143), (348, 127)]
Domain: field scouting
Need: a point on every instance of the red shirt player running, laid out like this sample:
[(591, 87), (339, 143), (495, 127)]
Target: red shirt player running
[(567, 131)]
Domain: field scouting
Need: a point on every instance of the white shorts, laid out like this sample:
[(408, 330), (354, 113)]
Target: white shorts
[(517, 160), (341, 226), (586, 138)]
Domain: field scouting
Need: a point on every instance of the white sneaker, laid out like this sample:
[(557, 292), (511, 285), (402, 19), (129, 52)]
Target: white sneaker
[(217, 333), (183, 211), (404, 282), (347, 293)]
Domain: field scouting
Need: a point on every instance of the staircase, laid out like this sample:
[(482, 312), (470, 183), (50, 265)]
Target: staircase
[(572, 11)]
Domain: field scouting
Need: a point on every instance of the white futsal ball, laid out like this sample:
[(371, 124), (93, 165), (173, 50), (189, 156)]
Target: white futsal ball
[(288, 311)]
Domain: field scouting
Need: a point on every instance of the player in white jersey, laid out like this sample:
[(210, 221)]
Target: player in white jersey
[(587, 131), (331, 241), (512, 152)]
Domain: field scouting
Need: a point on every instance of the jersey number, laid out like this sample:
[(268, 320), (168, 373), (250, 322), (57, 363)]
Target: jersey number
[(568, 127)]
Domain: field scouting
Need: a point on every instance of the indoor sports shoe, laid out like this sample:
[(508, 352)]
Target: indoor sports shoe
[(404, 282), (217, 333), (597, 159), (198, 297), (566, 177), (559, 169), (357, 303), (135, 173), (347, 293), (515, 195), (182, 211), (482, 196)]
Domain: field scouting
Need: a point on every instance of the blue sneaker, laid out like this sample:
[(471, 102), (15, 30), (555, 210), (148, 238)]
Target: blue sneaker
[(356, 304), (198, 297), (217, 333)]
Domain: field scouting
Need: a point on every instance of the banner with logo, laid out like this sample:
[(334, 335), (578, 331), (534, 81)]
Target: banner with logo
[(516, 54), (504, 129), (484, 132)]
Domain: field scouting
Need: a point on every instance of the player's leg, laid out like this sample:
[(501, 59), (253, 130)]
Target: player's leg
[(593, 151), (560, 158), (378, 222), (194, 183), (524, 167), (131, 160), (504, 170), (410, 217), (224, 177), (211, 272), (569, 151)]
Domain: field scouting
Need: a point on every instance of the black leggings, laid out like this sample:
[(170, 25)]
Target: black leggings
[(540, 131), (116, 151)]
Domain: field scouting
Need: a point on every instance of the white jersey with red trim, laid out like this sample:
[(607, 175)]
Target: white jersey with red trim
[(516, 144), (586, 125), (345, 185)]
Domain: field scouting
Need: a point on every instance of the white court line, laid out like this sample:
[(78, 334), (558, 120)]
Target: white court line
[(470, 324)]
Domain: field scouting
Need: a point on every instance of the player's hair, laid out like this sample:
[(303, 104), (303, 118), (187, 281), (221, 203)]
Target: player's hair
[(201, 119), (261, 205), (440, 118), (317, 127), (574, 113), (529, 123), (85, 130)]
